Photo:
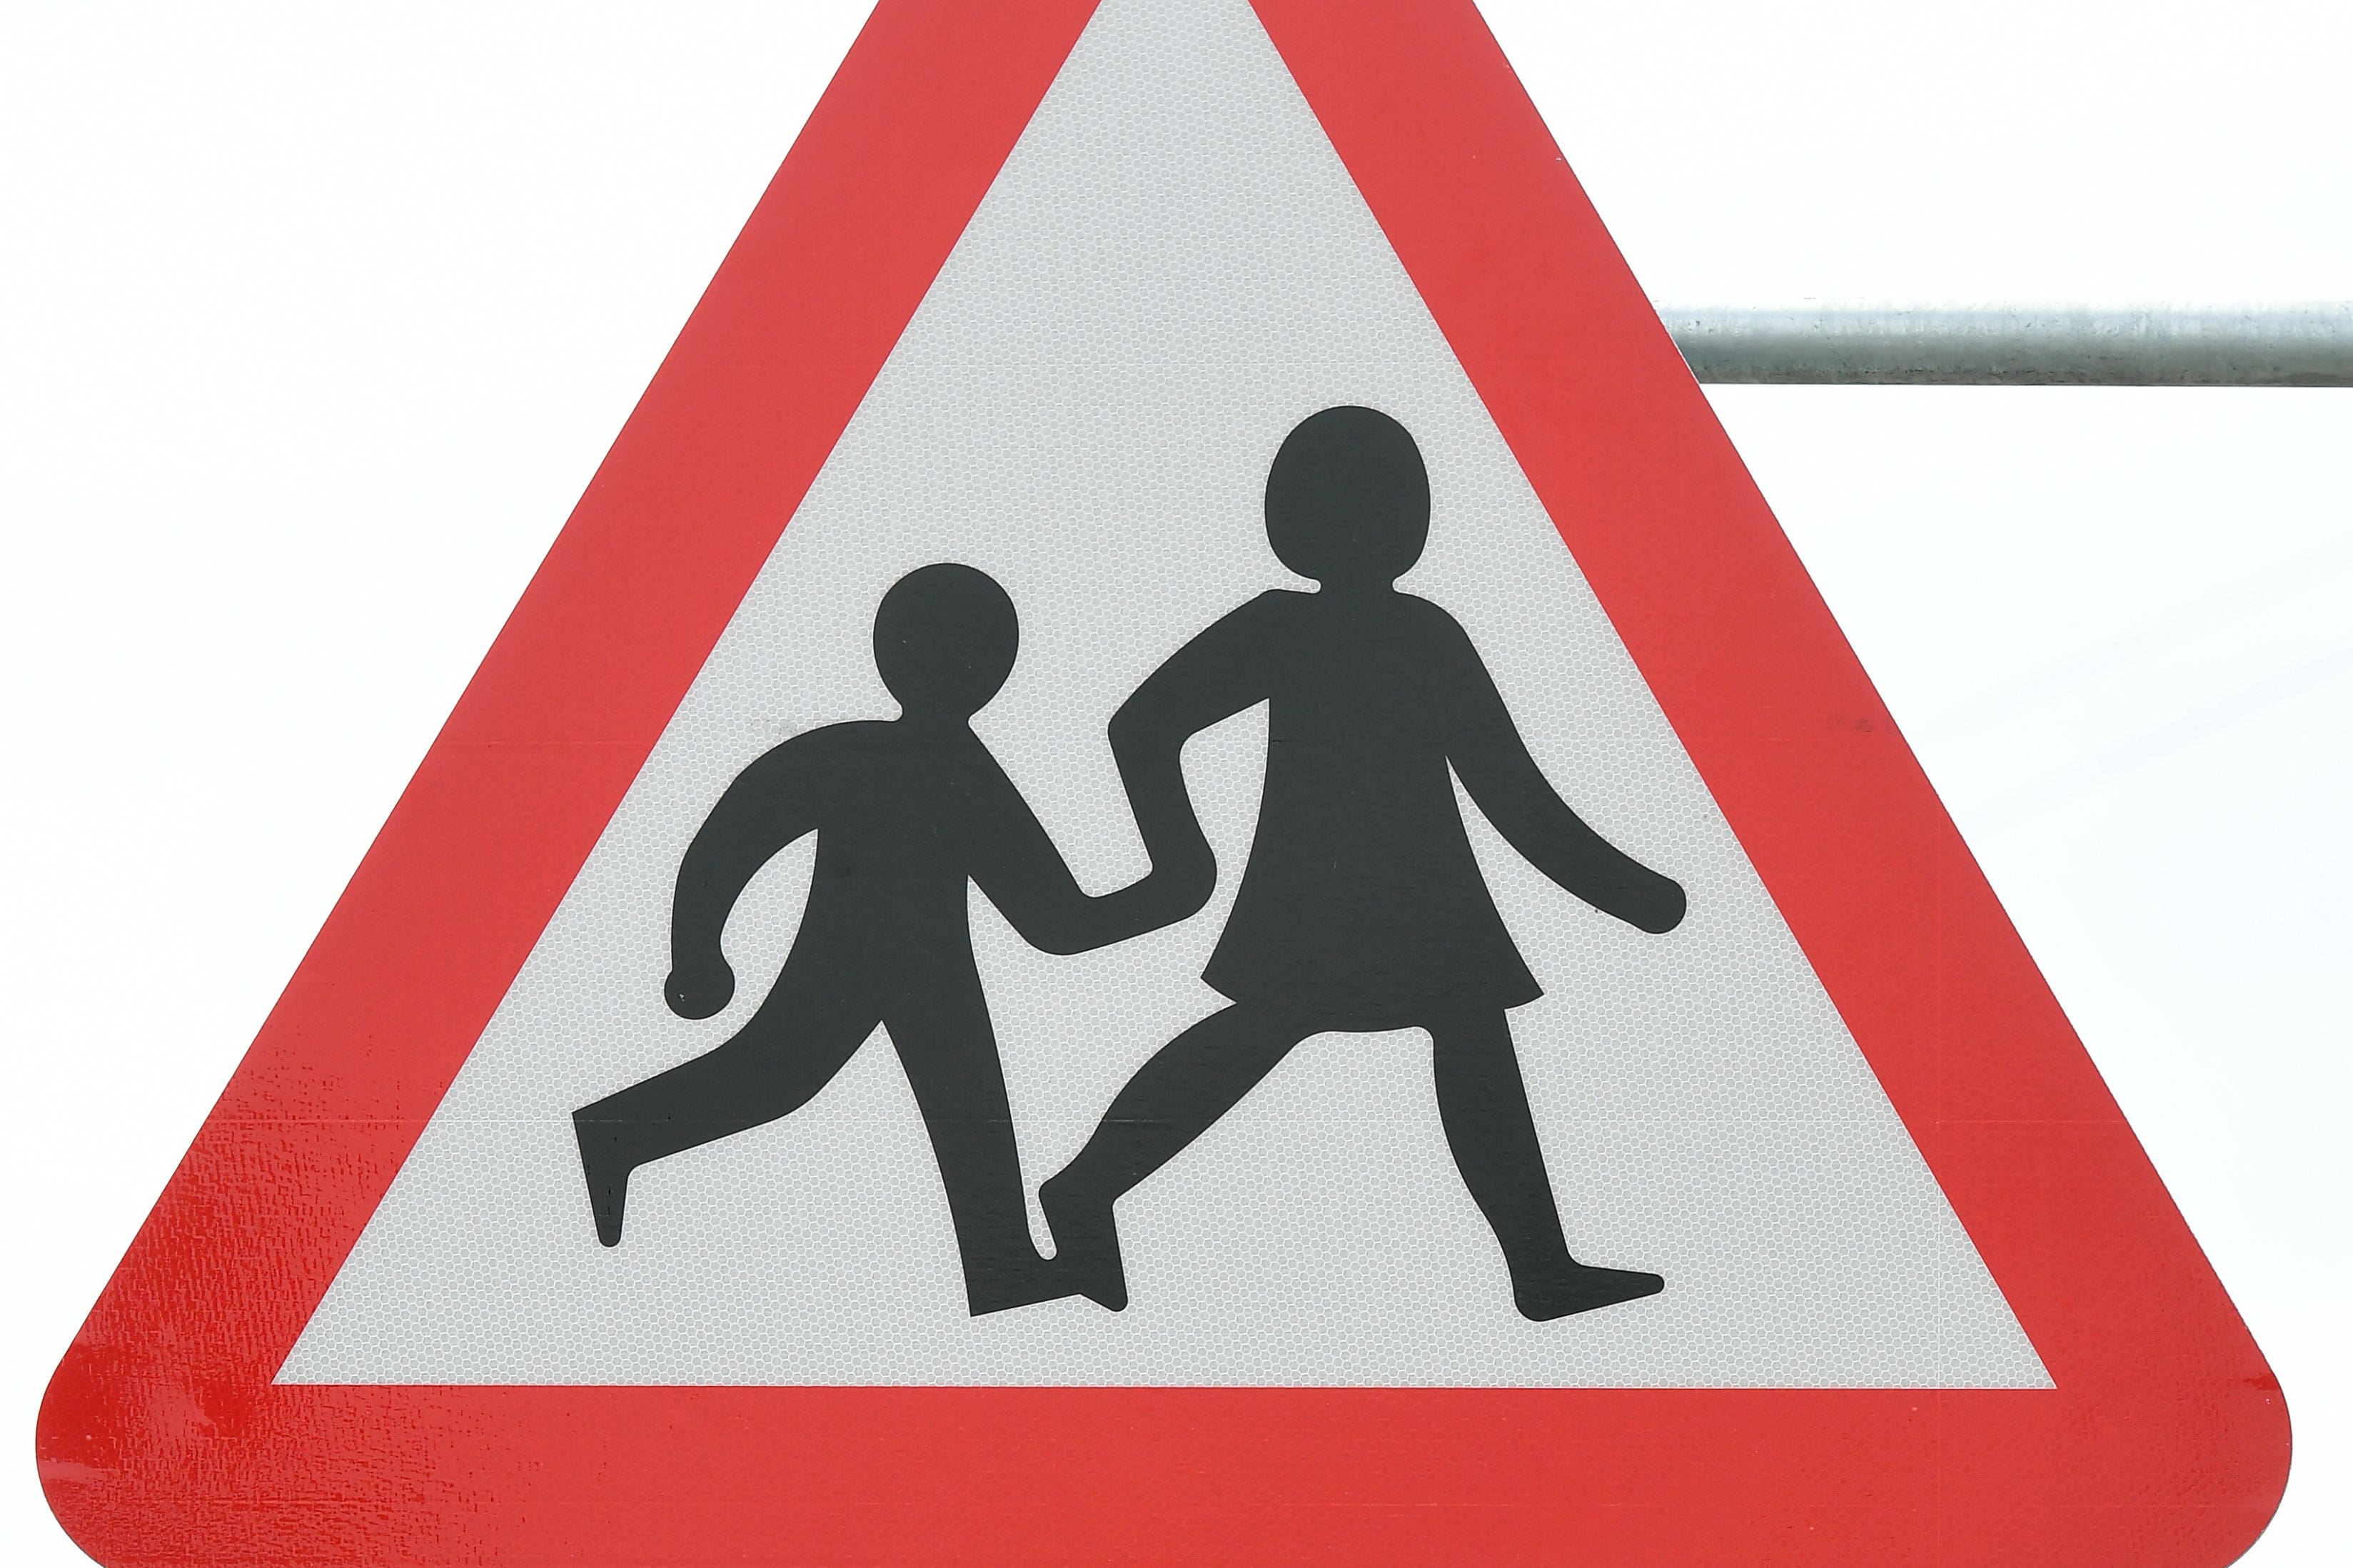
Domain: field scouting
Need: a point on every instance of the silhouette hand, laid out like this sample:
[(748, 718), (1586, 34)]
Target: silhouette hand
[(702, 990), (1169, 893), (1657, 908), (1187, 882)]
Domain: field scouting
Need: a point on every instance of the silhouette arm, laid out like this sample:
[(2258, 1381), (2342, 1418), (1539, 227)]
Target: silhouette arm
[(1212, 677), (1015, 862), (1505, 783), (769, 805)]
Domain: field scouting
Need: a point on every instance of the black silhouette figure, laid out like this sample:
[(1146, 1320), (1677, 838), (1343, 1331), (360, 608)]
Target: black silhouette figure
[(1361, 908), (906, 810)]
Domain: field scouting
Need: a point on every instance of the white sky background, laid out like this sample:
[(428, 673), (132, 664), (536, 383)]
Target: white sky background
[(313, 325)]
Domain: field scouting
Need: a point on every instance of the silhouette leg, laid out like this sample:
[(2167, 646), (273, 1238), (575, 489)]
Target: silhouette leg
[(1484, 1107), (775, 1064), (949, 1050), (1172, 1099)]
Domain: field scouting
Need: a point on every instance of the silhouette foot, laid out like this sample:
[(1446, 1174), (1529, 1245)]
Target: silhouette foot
[(1579, 1288), (608, 1168), (1003, 1290), (1086, 1246)]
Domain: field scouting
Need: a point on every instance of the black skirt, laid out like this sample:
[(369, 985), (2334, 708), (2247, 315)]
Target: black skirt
[(1362, 906)]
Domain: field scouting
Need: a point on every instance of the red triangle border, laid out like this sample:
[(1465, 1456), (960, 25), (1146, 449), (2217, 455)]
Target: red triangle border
[(2164, 1441)]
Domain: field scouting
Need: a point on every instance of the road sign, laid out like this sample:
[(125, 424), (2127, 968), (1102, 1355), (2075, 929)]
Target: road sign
[(1171, 868)]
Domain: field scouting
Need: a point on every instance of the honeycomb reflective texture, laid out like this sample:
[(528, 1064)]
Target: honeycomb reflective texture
[(1172, 269)]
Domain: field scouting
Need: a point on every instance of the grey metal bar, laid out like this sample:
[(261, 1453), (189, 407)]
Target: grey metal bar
[(1875, 343)]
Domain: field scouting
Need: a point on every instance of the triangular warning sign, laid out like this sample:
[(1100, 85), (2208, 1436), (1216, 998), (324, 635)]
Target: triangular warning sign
[(1170, 868)]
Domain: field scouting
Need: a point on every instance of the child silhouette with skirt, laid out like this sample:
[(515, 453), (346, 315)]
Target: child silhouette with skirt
[(1361, 907), (906, 810)]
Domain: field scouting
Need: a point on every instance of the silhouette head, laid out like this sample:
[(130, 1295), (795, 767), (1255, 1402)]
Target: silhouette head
[(1347, 501), (944, 639)]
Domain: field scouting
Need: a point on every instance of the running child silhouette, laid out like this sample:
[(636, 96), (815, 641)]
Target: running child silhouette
[(906, 810), (1361, 908)]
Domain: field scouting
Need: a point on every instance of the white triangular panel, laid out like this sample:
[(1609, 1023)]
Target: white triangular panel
[(1171, 271)]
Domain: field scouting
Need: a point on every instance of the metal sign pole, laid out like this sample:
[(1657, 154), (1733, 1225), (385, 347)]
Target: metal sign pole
[(1870, 342)]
